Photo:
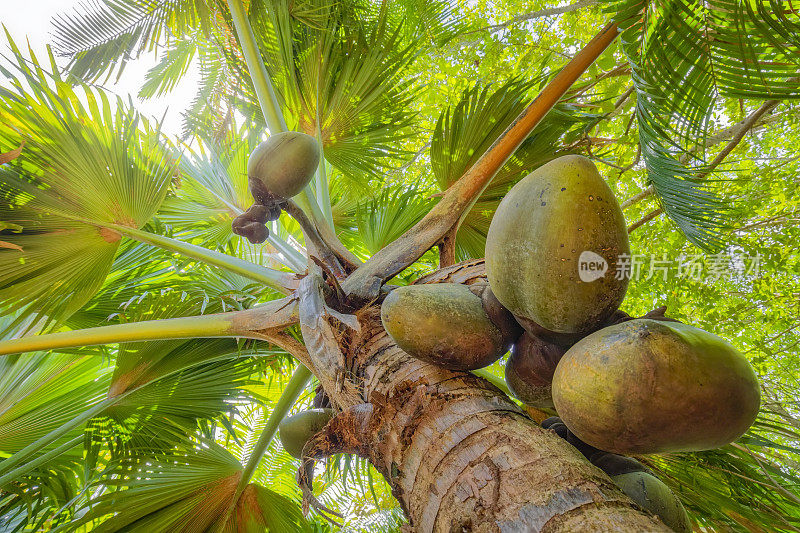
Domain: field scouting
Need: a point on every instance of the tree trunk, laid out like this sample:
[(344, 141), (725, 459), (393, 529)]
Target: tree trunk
[(458, 454)]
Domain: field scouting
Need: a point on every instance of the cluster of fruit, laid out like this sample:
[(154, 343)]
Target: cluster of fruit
[(620, 385), (278, 169)]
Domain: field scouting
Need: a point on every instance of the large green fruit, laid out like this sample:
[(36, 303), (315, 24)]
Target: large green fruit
[(652, 495), (649, 386), (552, 249), (448, 324), (297, 429), (282, 165), (529, 371)]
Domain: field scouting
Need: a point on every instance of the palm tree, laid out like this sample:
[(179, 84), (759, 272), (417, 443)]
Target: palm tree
[(105, 221)]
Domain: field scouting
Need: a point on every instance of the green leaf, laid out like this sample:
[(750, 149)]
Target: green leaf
[(686, 57), (82, 164), (104, 35), (195, 489)]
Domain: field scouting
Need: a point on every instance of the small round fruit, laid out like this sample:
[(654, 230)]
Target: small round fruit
[(614, 465), (652, 495), (296, 430), (547, 423), (445, 324), (529, 371), (552, 249), (255, 232), (649, 386), (282, 165)]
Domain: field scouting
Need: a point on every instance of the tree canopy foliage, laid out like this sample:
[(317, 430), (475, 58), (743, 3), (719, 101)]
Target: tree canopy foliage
[(97, 208)]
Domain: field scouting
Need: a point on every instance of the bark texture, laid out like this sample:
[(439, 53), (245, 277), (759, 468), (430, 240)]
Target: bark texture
[(459, 455)]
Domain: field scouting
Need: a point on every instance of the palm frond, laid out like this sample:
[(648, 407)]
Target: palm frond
[(388, 215), (103, 35), (343, 70), (172, 66), (686, 57), (82, 164), (190, 493)]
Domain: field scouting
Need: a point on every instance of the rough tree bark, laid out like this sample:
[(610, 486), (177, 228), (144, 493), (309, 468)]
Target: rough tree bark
[(458, 454)]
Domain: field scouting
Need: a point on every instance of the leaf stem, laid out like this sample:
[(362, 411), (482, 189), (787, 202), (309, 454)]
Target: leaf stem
[(323, 194), (497, 381), (255, 65), (217, 325), (260, 322), (291, 393), (283, 282), (288, 397)]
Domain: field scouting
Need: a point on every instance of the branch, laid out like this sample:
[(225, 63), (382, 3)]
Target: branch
[(649, 191), (417, 155), (314, 239), (548, 12), (364, 284), (644, 220), (742, 128), (447, 249)]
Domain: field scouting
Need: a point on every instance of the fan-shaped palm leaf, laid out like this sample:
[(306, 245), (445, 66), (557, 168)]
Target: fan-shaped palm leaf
[(190, 494), (389, 214), (342, 69), (108, 33), (686, 56), (81, 163)]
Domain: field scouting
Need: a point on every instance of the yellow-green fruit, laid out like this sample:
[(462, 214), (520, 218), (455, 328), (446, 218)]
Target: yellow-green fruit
[(649, 386), (446, 324), (297, 429), (652, 495), (552, 249), (282, 165)]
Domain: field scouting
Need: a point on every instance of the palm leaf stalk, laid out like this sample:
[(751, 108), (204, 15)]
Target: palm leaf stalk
[(252, 56), (218, 325), (289, 396), (283, 282), (251, 323)]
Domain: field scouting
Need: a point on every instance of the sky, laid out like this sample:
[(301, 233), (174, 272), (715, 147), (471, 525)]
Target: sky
[(31, 19)]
